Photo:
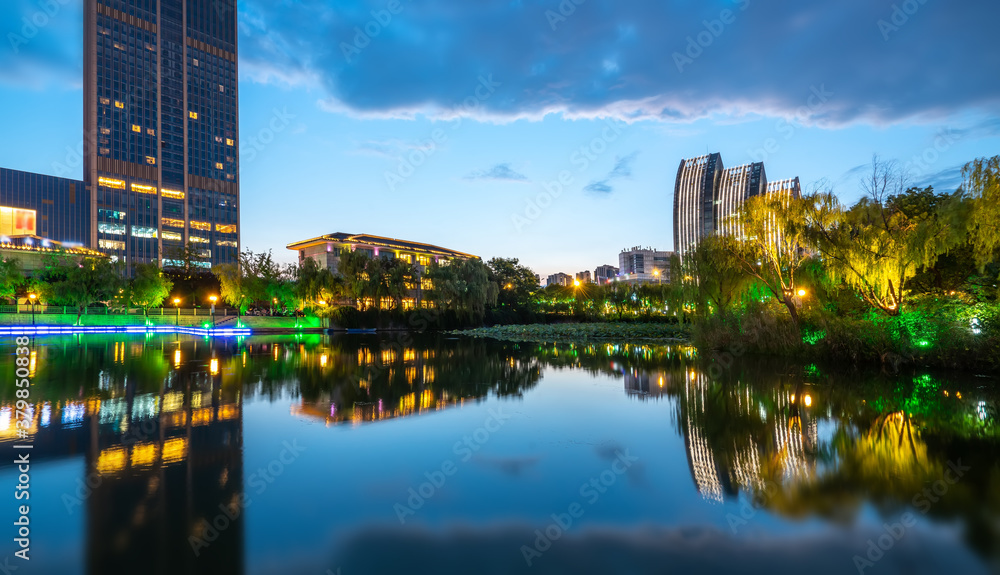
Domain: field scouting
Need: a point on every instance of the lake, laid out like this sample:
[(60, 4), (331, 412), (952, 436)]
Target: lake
[(435, 454)]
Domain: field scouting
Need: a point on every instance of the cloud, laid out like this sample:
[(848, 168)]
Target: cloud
[(945, 181), (501, 172), (824, 62), (622, 169), (41, 47)]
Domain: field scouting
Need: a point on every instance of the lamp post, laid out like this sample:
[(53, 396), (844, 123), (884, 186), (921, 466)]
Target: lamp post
[(177, 306), (213, 299), (32, 297), (657, 274)]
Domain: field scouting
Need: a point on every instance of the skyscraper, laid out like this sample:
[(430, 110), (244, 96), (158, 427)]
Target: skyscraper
[(161, 129), (708, 196)]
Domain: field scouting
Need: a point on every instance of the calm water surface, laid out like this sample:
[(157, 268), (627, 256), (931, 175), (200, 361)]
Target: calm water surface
[(360, 454)]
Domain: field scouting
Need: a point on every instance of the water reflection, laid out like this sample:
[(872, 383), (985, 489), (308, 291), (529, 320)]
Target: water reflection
[(159, 426)]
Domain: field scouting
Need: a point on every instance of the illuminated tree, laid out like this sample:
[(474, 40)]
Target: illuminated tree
[(771, 245), (235, 288), (882, 241), (463, 287), (713, 275), (149, 287), (982, 177)]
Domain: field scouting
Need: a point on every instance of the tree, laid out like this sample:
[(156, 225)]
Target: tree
[(235, 287), (771, 248), (11, 278), (464, 287), (517, 283), (982, 177), (148, 287), (882, 241), (316, 284), (85, 282), (714, 273), (193, 282), (264, 282)]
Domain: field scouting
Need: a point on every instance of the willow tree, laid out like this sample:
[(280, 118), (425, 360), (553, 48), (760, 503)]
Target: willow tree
[(713, 275), (982, 187), (770, 245), (877, 245)]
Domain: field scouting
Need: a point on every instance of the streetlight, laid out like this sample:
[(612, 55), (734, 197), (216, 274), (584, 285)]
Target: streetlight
[(657, 274), (177, 305), (213, 300), (576, 283), (32, 297), (802, 293)]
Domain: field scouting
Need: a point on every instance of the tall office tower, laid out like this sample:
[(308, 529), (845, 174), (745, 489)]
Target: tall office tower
[(161, 129), (736, 186), (694, 200)]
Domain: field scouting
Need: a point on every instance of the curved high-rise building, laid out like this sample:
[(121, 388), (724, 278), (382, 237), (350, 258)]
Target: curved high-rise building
[(694, 200), (708, 196)]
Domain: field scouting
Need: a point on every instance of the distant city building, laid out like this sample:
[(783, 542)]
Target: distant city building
[(707, 196), (559, 279), (45, 206), (583, 277), (645, 265), (606, 273)]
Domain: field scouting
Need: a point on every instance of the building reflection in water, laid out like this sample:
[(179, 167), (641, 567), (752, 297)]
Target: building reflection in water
[(159, 463)]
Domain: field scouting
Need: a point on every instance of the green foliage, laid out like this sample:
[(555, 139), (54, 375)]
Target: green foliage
[(11, 278), (79, 283), (463, 287), (518, 284), (983, 220), (149, 287), (714, 274)]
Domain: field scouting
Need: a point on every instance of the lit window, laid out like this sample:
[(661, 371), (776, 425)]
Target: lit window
[(105, 131), (105, 151), (111, 183), (423, 260), (229, 141), (144, 189), (172, 223), (225, 229), (106, 101), (205, 254), (203, 226), (113, 229), (218, 165), (110, 245), (193, 115), (195, 62), (198, 240), (151, 160), (136, 128), (226, 243), (143, 232), (172, 194), (171, 236), (111, 214), (408, 258), (151, 131), (218, 139), (222, 88), (119, 105)]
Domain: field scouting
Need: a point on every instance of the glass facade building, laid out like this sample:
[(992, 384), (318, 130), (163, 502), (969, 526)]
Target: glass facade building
[(708, 197), (46, 206), (161, 128)]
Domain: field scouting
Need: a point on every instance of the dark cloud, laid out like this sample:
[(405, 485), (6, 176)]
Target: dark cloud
[(945, 181), (622, 169), (501, 172), (826, 62)]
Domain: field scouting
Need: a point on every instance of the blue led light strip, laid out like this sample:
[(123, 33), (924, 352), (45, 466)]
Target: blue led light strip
[(167, 329)]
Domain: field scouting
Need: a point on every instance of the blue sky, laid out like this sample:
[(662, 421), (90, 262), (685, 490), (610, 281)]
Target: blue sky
[(448, 123)]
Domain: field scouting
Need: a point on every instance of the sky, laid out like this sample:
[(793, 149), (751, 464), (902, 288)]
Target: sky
[(546, 130)]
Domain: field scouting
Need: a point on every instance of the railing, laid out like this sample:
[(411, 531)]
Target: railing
[(102, 310)]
